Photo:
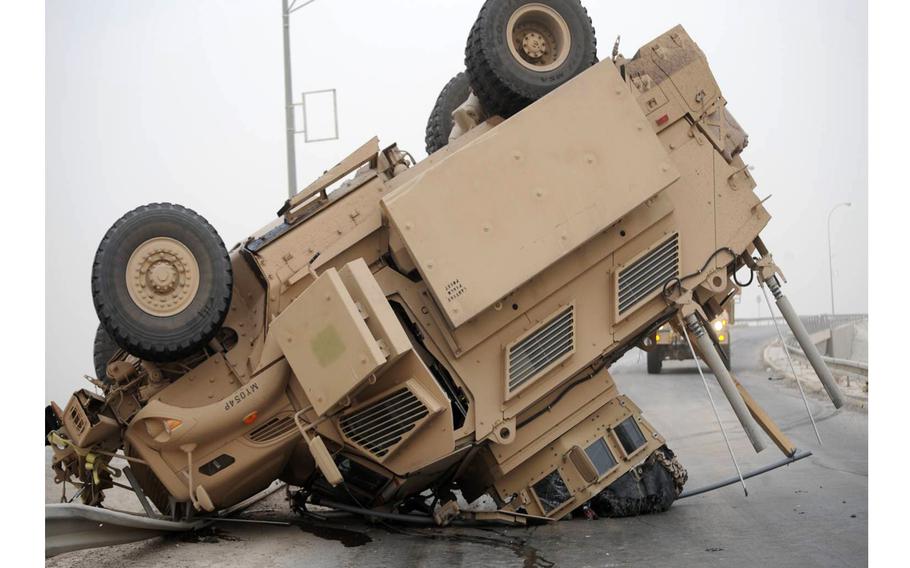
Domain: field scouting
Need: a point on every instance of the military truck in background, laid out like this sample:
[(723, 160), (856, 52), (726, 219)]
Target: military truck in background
[(668, 344), (404, 331)]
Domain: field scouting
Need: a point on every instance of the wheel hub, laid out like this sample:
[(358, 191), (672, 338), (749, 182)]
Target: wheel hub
[(538, 37), (162, 276), (534, 45)]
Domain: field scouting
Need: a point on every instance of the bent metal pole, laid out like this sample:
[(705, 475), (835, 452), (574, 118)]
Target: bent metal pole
[(712, 358), (720, 423), (783, 346), (805, 342)]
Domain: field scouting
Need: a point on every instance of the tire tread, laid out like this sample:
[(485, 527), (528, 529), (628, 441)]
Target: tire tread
[(497, 91), (161, 350), (439, 125)]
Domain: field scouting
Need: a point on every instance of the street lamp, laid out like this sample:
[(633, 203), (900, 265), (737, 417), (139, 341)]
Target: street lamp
[(288, 97), (831, 264), (288, 7)]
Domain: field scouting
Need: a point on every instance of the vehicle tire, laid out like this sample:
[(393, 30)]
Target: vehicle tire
[(551, 42), (439, 125), (51, 423), (103, 349), (655, 360), (649, 488), (161, 282), (156, 492)]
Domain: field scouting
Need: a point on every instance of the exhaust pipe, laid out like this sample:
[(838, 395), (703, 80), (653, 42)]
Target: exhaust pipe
[(805, 342), (710, 356)]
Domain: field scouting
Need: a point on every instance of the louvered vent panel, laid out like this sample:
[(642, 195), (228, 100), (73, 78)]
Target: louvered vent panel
[(274, 428), (77, 419), (536, 353), (648, 273), (380, 426)]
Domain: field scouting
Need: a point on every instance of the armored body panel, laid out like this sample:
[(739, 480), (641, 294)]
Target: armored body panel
[(449, 324)]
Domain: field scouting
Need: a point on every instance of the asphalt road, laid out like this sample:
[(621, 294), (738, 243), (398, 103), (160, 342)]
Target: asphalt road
[(811, 513)]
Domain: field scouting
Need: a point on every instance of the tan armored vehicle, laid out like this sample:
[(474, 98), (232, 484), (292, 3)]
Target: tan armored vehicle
[(404, 331), (666, 343)]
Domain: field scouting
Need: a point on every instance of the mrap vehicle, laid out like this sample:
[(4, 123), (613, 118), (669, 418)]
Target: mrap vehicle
[(667, 344), (406, 331)]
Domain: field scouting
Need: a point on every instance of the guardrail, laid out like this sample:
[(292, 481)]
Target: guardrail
[(815, 324), (71, 526), (812, 322), (856, 367)]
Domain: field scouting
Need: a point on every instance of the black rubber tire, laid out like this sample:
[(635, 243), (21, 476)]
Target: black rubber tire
[(439, 125), (51, 423), (503, 85), (141, 334), (156, 492), (655, 360), (653, 491), (103, 349)]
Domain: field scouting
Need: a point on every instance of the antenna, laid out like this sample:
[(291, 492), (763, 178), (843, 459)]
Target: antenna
[(290, 120)]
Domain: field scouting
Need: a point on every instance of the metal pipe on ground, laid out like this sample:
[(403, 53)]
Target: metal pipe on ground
[(712, 358), (383, 515), (805, 342), (730, 481), (71, 526)]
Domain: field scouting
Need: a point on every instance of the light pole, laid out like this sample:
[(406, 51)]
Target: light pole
[(830, 263), (286, 11)]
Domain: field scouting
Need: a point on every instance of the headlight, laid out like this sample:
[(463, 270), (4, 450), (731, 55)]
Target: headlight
[(718, 325), (162, 428)]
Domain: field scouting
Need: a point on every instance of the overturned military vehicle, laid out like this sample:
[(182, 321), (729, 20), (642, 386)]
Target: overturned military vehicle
[(405, 331)]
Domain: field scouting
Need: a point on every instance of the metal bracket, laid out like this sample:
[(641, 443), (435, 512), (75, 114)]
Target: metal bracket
[(137, 489), (302, 104)]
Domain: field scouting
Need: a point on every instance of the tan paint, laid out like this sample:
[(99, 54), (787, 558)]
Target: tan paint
[(162, 276), (480, 247)]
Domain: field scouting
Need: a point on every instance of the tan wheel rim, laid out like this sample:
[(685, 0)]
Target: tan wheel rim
[(538, 37), (162, 277)]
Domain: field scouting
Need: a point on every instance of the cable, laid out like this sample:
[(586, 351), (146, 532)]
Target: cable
[(751, 279), (680, 279), (599, 365), (716, 413), (555, 401), (790, 360)]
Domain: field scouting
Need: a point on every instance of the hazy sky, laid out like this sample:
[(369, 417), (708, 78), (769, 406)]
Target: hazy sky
[(176, 100)]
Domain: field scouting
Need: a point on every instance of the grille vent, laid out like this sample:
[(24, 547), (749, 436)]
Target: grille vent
[(274, 428), (382, 425), (76, 417), (546, 346), (648, 273)]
